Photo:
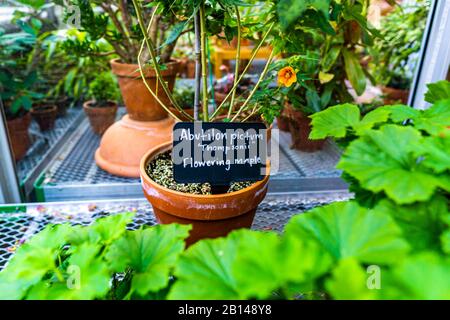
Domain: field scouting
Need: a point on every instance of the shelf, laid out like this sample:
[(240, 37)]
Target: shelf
[(19, 223)]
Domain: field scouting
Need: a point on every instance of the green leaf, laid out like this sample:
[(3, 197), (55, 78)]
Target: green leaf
[(383, 160), (291, 10), (330, 58), (151, 253), (434, 119), (32, 261), (88, 278), (421, 222), (334, 121), (379, 115), (104, 230), (438, 91), (349, 282), (354, 71), (400, 112), (204, 270), (436, 153), (422, 277), (346, 230)]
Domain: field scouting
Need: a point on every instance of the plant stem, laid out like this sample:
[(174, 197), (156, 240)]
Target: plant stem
[(204, 66), (143, 75), (261, 77), (151, 49), (245, 70), (198, 65), (238, 57)]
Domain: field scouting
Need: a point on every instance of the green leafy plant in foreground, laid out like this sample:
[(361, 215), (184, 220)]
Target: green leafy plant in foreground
[(395, 246)]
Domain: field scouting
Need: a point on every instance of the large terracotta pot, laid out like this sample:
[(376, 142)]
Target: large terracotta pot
[(182, 117), (18, 134), (44, 115), (100, 118), (141, 105), (211, 216), (393, 95), (300, 129)]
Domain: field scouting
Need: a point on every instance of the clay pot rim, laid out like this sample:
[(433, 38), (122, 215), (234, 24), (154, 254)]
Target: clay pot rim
[(126, 68), (88, 105), (45, 108), (167, 146)]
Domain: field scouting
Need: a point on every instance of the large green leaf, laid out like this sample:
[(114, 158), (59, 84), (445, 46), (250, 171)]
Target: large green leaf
[(88, 278), (34, 259), (204, 271), (104, 230), (438, 91), (436, 153), (334, 121), (354, 71), (434, 119), (346, 230), (423, 277), (349, 282), (339, 120), (383, 160), (151, 253), (421, 222)]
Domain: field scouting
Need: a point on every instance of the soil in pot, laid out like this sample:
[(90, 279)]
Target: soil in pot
[(140, 103), (211, 215), (300, 129), (18, 134), (45, 115), (102, 116)]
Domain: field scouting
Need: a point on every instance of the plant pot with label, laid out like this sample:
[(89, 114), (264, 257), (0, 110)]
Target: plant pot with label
[(18, 134), (300, 129), (45, 115), (211, 216)]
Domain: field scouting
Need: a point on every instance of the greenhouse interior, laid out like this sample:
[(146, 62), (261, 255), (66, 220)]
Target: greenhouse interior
[(225, 150)]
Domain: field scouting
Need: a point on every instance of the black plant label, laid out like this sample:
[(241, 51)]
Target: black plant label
[(219, 152)]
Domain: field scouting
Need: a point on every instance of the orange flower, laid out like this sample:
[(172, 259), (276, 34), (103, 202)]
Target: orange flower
[(287, 76)]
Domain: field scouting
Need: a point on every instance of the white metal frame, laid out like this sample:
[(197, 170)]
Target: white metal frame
[(9, 185)]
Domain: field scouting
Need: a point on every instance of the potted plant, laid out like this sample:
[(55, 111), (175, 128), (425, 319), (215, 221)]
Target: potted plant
[(115, 22), (44, 113), (211, 214), (318, 64), (18, 79), (102, 108), (394, 55)]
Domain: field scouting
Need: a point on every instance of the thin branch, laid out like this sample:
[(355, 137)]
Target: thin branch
[(261, 77), (238, 57), (252, 57), (204, 66)]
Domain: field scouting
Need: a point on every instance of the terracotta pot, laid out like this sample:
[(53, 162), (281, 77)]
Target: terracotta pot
[(300, 128), (45, 116), (100, 118), (62, 104), (124, 144), (188, 68), (283, 123), (393, 95), (211, 216), (141, 105), (18, 134), (190, 111)]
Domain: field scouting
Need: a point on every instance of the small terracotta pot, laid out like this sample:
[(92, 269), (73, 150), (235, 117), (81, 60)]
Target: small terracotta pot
[(188, 68), (300, 128), (100, 118), (18, 134), (393, 95), (45, 116), (211, 216), (140, 104)]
